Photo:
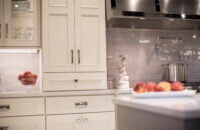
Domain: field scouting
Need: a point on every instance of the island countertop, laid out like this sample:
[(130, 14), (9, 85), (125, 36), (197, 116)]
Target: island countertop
[(184, 108)]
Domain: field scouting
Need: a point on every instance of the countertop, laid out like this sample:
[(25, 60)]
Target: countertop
[(184, 108), (66, 93)]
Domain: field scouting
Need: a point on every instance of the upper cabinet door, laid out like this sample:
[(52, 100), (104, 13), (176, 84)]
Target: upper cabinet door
[(90, 35), (64, 122), (1, 22), (21, 23), (99, 121), (58, 36)]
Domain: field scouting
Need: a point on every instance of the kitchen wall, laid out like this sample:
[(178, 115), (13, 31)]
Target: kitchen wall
[(12, 65), (146, 65)]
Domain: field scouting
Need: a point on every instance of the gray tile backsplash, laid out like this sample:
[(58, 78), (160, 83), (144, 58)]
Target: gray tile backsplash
[(143, 63)]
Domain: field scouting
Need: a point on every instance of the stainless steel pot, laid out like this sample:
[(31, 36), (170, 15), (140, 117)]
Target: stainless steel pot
[(175, 72)]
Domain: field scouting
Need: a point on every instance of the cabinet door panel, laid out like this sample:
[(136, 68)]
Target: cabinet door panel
[(64, 122), (90, 35), (99, 121), (1, 23), (23, 123), (21, 23), (58, 36)]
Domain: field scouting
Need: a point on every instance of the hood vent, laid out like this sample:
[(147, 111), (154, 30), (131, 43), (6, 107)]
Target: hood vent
[(185, 14)]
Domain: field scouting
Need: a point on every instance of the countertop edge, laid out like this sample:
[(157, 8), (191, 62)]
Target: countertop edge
[(66, 93)]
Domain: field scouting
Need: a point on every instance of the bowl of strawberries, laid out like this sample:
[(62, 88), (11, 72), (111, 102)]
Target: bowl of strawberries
[(28, 79)]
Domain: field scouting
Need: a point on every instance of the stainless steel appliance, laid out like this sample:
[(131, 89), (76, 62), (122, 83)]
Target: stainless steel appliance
[(154, 14), (176, 72)]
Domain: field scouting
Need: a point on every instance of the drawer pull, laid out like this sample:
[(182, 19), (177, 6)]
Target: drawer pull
[(4, 107), (4, 128), (81, 104)]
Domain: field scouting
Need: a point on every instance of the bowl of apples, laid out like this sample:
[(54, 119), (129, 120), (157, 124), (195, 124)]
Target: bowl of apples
[(28, 80), (161, 90)]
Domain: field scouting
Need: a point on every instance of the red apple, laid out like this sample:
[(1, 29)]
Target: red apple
[(140, 87), (177, 86), (28, 74), (151, 86), (20, 76), (164, 86)]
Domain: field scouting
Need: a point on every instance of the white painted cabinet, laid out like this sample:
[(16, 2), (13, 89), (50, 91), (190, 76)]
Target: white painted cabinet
[(99, 121), (92, 121), (58, 36), (20, 23), (64, 122), (73, 81), (23, 123), (90, 35), (74, 36)]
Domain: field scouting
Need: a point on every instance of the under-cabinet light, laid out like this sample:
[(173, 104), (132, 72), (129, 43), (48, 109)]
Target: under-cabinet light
[(18, 51)]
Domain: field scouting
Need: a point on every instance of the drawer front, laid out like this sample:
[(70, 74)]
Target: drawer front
[(23, 123), (80, 104), (21, 106), (58, 81), (89, 81), (74, 81)]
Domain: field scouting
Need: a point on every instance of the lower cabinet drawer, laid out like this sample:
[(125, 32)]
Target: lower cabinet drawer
[(21, 107), (23, 123), (79, 104), (74, 81)]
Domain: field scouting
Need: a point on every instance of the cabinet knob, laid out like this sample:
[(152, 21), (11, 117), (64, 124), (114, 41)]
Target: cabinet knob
[(76, 80), (85, 120), (78, 121)]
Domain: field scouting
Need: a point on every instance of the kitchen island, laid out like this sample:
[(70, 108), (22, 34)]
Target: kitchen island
[(158, 114)]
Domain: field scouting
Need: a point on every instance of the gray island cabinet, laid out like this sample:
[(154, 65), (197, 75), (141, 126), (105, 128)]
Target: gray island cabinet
[(158, 114)]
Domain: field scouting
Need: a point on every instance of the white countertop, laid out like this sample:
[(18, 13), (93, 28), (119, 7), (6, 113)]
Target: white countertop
[(184, 108), (66, 93)]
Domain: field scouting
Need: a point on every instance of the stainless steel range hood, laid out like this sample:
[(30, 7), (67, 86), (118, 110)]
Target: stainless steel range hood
[(154, 14)]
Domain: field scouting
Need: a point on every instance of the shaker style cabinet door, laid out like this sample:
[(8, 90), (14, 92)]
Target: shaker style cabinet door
[(58, 36), (23, 123), (1, 23), (21, 23), (99, 121), (64, 122), (90, 35)]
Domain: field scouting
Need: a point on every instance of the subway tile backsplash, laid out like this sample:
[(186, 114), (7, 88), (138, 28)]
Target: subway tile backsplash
[(144, 64)]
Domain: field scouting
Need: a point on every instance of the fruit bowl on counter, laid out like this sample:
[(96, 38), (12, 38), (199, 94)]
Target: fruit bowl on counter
[(28, 80), (161, 90)]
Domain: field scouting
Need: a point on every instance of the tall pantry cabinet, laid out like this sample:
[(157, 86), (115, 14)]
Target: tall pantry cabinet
[(74, 45)]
